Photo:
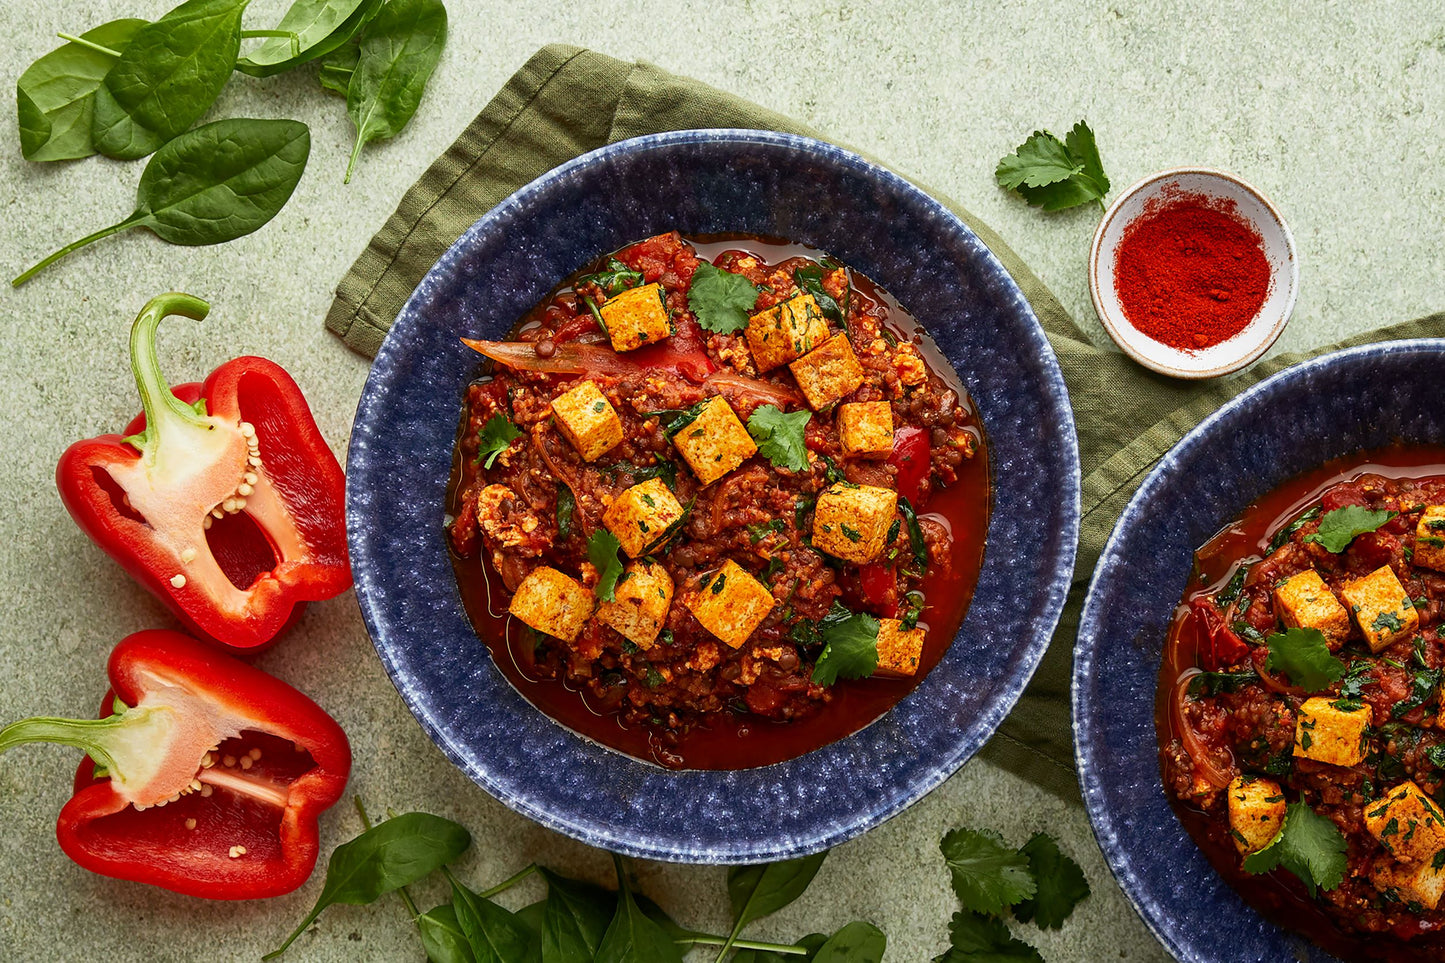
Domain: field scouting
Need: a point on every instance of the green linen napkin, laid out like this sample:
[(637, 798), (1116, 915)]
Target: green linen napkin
[(566, 101)]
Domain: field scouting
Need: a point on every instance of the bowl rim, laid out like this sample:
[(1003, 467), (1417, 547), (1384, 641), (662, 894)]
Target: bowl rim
[(595, 830), (1102, 823), (1100, 301)]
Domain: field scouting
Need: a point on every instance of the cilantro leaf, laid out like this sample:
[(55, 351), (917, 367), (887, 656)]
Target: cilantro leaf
[(975, 938), (1308, 845), (850, 646), (1339, 527), (602, 551), (988, 876), (780, 436), (1305, 656), (1061, 884), (720, 299), (810, 280), (1055, 174), (496, 436)]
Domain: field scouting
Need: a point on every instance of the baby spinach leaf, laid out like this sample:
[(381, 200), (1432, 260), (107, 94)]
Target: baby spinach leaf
[(1338, 528), (720, 299), (442, 936), (850, 646), (399, 51), (858, 942), (55, 95), (810, 280), (1308, 845), (988, 875), (575, 919), (780, 436), (494, 934), (337, 68), (167, 77), (495, 437), (633, 936), (320, 26), (383, 859), (757, 891), (976, 938), (1305, 656), (1061, 884), (212, 184)]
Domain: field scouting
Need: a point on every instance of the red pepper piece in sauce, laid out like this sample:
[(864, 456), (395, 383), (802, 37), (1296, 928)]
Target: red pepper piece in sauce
[(879, 583), (1219, 646), (207, 779), (223, 499), (912, 456)]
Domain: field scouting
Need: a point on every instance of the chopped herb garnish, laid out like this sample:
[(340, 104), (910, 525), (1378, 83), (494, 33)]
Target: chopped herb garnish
[(566, 505), (685, 418), (761, 530)]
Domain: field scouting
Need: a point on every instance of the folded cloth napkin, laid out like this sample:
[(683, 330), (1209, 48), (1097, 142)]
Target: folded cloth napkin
[(566, 101)]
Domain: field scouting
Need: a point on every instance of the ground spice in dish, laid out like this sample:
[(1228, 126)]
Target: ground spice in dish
[(1191, 272)]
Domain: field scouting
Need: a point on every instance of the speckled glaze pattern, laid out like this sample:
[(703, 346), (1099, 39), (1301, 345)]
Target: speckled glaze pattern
[(1348, 401), (700, 182)]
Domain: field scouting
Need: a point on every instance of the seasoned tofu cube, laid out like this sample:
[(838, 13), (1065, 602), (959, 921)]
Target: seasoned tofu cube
[(1421, 882), (636, 317), (1407, 823), (899, 649), (786, 331), (1326, 733), (731, 604), (1430, 538), (643, 596), (641, 515), (866, 428), (1382, 608), (552, 603), (1256, 811), (1304, 601), (715, 442), (828, 372), (588, 420), (851, 522)]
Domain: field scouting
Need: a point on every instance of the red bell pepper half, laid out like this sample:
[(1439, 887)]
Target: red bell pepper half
[(222, 499), (205, 775)]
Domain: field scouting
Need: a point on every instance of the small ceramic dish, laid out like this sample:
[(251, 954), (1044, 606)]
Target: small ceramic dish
[(1268, 324)]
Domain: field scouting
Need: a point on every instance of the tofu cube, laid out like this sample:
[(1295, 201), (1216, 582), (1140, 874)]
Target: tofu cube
[(1430, 538), (1382, 608), (829, 372), (636, 317), (715, 442), (588, 420), (1328, 734), (786, 331), (1304, 601), (643, 597), (899, 649), (552, 603), (731, 604), (851, 521), (866, 428), (1411, 882), (1407, 823), (641, 515), (1256, 812)]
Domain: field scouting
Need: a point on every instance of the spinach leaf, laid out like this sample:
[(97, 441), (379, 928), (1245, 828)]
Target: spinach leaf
[(1283, 535), (383, 859), (337, 68), (212, 184), (320, 26), (566, 505), (575, 918), (810, 280), (442, 936), (1423, 686), (633, 936), (858, 942), (167, 77), (56, 94), (756, 891), (1213, 683), (494, 934), (1231, 591), (613, 279), (399, 51), (915, 532)]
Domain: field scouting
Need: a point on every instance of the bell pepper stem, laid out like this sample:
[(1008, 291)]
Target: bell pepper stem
[(161, 405), (86, 734)]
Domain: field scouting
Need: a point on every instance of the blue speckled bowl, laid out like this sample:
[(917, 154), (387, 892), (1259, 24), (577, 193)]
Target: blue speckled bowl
[(700, 182), (1349, 401)]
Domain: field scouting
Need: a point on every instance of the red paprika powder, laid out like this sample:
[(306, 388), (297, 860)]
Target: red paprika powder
[(1190, 272)]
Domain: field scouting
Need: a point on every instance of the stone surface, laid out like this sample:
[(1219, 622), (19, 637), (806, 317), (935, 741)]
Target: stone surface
[(1334, 115)]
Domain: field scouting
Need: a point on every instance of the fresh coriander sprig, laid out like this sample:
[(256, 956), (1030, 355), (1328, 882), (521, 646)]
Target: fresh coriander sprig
[(1056, 174), (720, 299)]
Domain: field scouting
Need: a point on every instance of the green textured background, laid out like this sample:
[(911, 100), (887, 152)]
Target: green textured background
[(1335, 113)]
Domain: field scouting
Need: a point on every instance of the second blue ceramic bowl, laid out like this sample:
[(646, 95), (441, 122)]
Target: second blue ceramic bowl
[(709, 182), (1344, 402)]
